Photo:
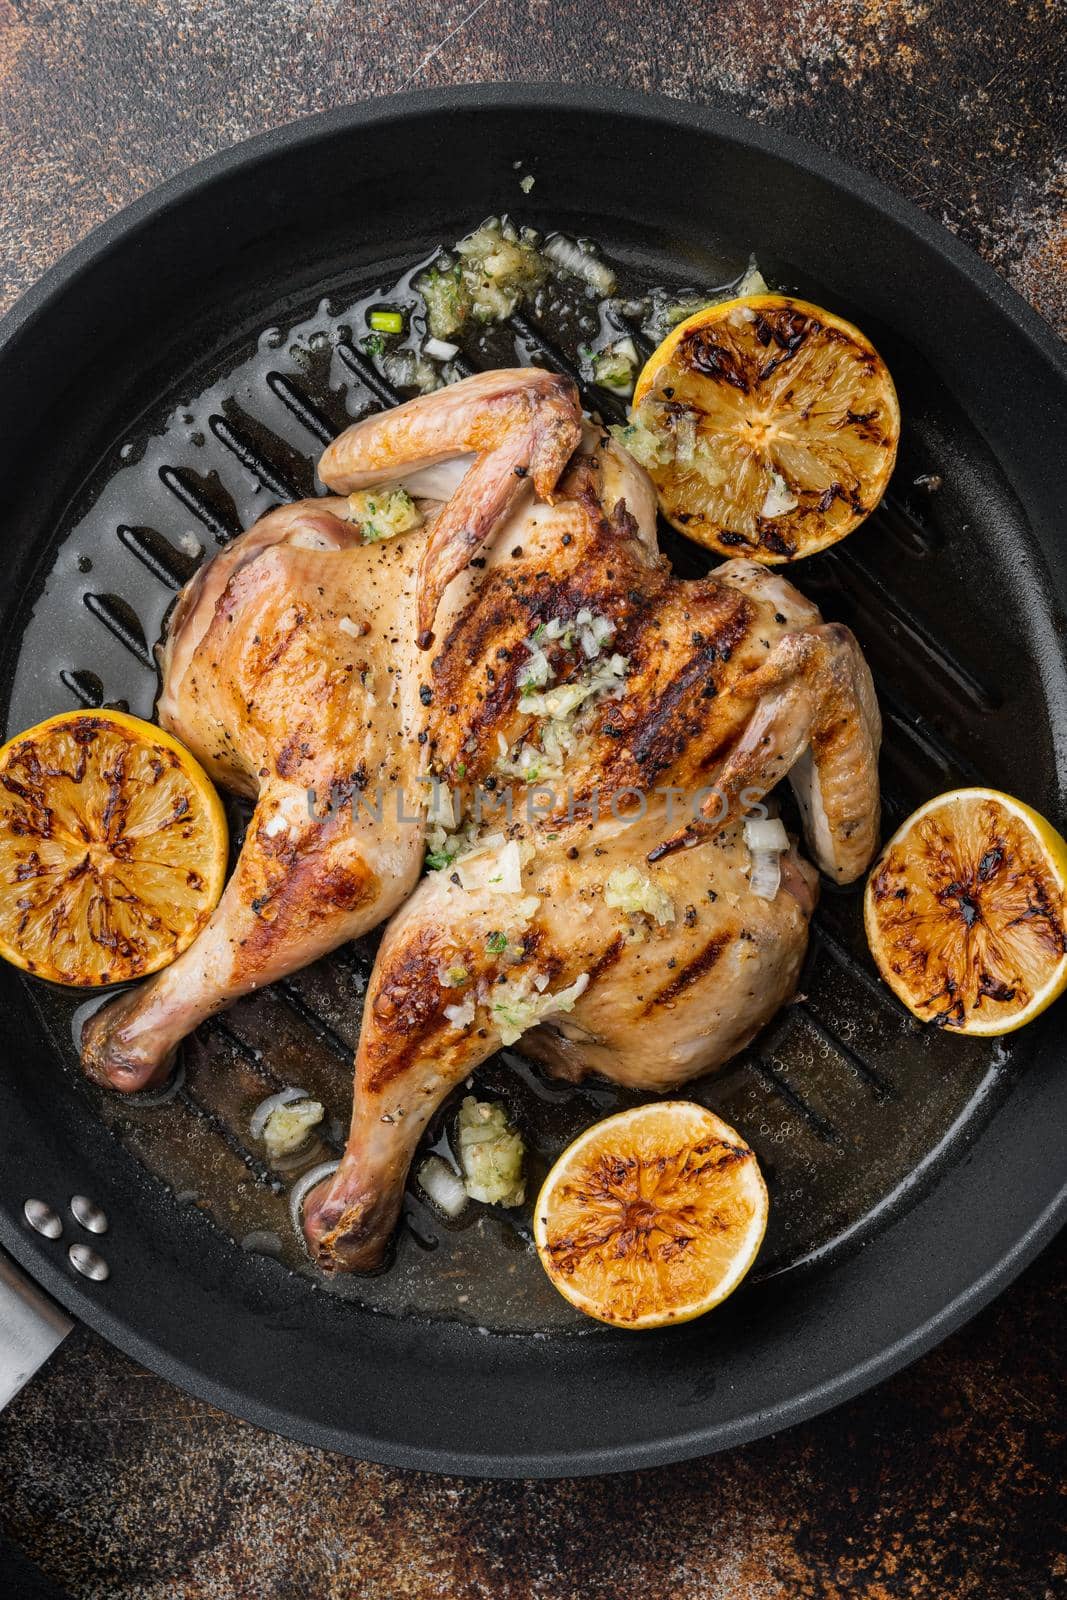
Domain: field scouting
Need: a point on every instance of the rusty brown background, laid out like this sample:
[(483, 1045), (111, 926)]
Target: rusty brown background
[(943, 1482)]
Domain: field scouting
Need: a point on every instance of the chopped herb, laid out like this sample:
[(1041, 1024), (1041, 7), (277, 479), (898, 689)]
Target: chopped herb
[(496, 943), (387, 321), (438, 859)]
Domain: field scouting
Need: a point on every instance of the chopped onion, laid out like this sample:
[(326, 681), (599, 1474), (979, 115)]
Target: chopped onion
[(779, 498), (514, 1008), (462, 1016), (408, 371), (685, 436), (490, 1153), (766, 833), (302, 1188), (499, 870), (258, 1120), (452, 975), (443, 1186), (538, 670), (441, 810), (582, 263), (766, 838), (632, 891), (440, 349), (288, 1127), (766, 875), (752, 281)]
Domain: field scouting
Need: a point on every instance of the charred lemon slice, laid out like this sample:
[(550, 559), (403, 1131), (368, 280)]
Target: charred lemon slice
[(768, 426), (653, 1216), (112, 848), (965, 912)]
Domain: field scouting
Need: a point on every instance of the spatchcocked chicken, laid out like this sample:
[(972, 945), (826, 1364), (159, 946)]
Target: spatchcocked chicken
[(517, 676)]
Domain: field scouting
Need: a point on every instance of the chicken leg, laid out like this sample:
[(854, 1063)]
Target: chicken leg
[(290, 670)]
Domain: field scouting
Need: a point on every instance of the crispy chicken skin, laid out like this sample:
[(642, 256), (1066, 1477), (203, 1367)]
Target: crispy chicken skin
[(732, 683)]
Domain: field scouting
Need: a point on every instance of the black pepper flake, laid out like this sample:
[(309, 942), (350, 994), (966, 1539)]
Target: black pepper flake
[(568, 538), (425, 694), (522, 472), (690, 916), (778, 617), (572, 853), (517, 551), (454, 877), (423, 737)]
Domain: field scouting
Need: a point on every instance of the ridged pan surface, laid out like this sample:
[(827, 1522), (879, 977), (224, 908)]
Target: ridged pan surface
[(860, 1116)]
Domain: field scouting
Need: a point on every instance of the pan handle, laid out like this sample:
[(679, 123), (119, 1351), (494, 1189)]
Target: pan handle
[(31, 1327)]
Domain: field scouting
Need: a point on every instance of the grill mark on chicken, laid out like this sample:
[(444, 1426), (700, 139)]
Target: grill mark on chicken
[(480, 667), (688, 974), (408, 1010), (607, 958), (296, 887)]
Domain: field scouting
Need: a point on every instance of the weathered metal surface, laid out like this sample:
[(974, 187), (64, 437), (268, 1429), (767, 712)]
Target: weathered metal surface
[(940, 1483), (957, 103)]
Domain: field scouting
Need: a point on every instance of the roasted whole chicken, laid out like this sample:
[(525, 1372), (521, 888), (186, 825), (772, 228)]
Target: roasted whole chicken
[(520, 678)]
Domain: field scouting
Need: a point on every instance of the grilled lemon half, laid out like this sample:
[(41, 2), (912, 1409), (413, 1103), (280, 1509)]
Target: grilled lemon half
[(768, 425), (652, 1216), (113, 848), (966, 912)]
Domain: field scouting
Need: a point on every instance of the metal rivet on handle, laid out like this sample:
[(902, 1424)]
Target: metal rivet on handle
[(42, 1218), (84, 1259), (92, 1218)]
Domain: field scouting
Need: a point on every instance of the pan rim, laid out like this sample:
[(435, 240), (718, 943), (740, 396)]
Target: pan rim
[(530, 93), (242, 160)]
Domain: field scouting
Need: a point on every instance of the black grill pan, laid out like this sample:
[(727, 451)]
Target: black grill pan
[(163, 386)]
